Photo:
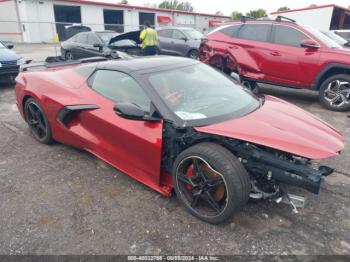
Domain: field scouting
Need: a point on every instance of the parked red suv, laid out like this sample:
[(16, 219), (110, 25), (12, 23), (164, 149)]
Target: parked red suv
[(282, 53)]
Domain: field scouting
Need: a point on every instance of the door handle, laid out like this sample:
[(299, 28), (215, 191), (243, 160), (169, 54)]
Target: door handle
[(275, 53)]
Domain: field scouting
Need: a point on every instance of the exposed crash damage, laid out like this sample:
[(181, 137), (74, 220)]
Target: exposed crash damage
[(268, 168)]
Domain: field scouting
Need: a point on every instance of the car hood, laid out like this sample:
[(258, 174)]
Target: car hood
[(283, 126), (8, 55), (133, 35)]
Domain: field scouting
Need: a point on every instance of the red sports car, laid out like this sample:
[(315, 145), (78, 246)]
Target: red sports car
[(178, 124)]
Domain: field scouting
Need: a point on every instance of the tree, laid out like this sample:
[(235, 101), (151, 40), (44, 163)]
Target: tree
[(124, 2), (176, 5), (236, 15), (150, 5), (219, 13), (257, 13), (185, 6), (283, 8)]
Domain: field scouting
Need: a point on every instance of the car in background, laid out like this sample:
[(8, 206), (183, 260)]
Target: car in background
[(181, 41), (72, 30), (10, 62), (100, 43), (283, 53), (337, 38), (344, 34)]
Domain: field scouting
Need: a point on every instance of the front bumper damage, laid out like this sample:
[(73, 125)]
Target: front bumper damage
[(273, 167)]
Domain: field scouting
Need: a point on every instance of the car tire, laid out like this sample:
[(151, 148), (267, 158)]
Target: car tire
[(69, 56), (334, 93), (216, 171), (194, 54), (37, 121), (251, 85)]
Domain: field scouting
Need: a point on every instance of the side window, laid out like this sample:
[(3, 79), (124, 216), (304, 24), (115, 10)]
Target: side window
[(231, 30), (177, 34), (92, 39), (120, 87), (285, 35), (165, 33), (255, 32), (81, 38)]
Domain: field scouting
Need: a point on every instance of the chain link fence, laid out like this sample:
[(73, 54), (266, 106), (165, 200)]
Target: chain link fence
[(47, 36)]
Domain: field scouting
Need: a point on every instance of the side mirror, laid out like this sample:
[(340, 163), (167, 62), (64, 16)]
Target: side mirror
[(99, 46), (10, 46), (133, 112), (309, 43), (184, 38)]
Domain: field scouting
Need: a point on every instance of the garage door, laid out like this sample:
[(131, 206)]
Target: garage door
[(114, 20), (66, 15), (143, 17)]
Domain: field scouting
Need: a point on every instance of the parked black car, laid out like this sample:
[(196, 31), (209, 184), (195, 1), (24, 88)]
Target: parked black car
[(72, 30), (10, 62), (103, 43)]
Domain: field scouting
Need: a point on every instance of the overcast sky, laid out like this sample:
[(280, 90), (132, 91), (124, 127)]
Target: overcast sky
[(227, 6)]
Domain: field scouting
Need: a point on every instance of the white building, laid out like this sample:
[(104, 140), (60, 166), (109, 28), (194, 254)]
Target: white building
[(325, 17), (36, 21)]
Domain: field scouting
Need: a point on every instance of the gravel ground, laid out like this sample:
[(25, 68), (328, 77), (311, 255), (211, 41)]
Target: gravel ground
[(59, 200)]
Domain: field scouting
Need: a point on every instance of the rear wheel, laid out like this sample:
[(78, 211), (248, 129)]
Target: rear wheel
[(193, 54), (69, 56), (211, 182), (37, 121), (335, 92)]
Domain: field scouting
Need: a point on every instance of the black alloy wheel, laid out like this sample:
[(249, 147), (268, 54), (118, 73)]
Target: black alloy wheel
[(194, 54), (69, 56), (211, 182), (37, 121)]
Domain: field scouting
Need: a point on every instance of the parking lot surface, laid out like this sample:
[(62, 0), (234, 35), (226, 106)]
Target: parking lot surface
[(60, 200)]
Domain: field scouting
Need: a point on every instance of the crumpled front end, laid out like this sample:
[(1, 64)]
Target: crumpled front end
[(268, 168)]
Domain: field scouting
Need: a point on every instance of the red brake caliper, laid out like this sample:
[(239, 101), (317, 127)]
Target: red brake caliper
[(190, 173)]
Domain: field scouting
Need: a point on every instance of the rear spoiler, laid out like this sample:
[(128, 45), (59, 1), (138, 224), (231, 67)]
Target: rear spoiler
[(27, 66)]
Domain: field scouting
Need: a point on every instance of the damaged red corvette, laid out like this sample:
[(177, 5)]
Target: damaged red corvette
[(178, 124)]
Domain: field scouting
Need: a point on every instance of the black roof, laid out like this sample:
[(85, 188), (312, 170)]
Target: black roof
[(147, 64)]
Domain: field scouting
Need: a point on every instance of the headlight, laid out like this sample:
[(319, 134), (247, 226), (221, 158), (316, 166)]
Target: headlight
[(20, 61)]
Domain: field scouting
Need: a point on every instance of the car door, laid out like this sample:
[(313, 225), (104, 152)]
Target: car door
[(179, 44), (164, 41), (251, 48), (133, 146), (78, 48), (91, 49), (290, 63)]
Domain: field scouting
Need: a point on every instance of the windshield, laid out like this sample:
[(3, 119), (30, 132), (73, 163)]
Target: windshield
[(106, 37), (323, 38), (192, 34), (335, 37), (199, 92), (124, 43)]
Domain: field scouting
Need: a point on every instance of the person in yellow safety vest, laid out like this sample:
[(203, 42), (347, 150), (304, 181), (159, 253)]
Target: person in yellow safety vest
[(148, 38)]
